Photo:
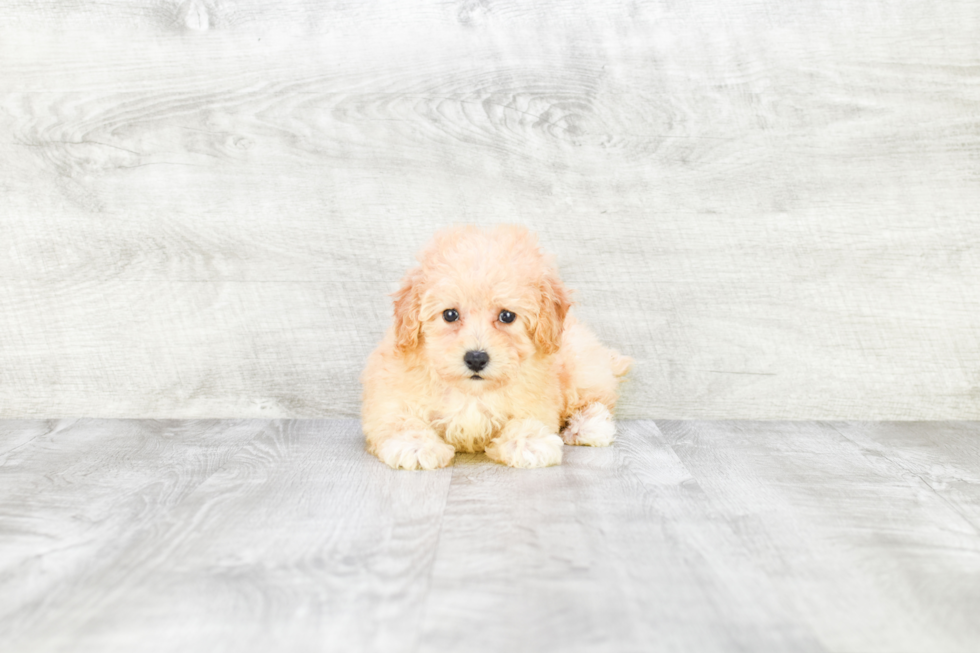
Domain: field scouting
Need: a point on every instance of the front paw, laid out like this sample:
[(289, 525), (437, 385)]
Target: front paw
[(592, 426), (526, 443), (422, 449)]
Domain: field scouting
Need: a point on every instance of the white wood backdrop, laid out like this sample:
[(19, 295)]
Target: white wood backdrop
[(771, 205)]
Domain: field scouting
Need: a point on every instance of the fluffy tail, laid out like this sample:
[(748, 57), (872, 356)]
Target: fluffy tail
[(621, 364)]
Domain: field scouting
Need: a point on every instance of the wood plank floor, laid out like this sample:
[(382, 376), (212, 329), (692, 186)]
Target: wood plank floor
[(262, 535)]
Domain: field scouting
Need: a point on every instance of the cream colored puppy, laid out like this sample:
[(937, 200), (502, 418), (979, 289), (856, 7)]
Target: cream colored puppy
[(483, 356)]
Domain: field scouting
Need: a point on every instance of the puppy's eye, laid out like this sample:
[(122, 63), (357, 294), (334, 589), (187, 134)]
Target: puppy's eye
[(506, 317), (450, 315)]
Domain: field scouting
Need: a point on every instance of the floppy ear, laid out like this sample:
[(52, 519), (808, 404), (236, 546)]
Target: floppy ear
[(408, 327), (555, 301)]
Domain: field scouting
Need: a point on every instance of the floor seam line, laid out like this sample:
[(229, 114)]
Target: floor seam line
[(898, 464), (435, 553)]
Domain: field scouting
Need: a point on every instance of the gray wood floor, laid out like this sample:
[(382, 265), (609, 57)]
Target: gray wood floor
[(285, 535)]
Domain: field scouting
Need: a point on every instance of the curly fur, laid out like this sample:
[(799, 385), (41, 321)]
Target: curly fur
[(546, 370)]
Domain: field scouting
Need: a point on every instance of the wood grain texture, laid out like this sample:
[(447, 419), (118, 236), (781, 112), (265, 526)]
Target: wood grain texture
[(943, 457), (619, 549), (301, 541), (264, 535), (74, 495), (871, 556), (770, 205)]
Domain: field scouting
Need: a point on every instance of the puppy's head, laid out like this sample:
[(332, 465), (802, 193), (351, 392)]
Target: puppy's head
[(480, 305)]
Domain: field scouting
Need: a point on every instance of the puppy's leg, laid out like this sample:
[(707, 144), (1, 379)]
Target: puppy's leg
[(415, 446), (525, 443), (591, 426)]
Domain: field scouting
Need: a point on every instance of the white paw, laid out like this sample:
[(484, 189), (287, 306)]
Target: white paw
[(415, 450), (526, 443), (592, 426)]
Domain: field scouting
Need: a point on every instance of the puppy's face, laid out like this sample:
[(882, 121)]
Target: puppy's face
[(480, 306), (476, 337)]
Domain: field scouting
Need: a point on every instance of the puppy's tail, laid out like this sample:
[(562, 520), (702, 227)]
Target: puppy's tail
[(620, 364)]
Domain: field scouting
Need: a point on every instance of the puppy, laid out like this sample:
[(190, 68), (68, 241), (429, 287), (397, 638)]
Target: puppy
[(483, 355)]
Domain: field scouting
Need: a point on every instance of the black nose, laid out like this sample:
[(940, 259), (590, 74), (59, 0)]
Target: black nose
[(476, 360)]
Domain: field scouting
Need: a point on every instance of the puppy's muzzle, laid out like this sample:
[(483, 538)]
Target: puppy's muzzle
[(476, 360)]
